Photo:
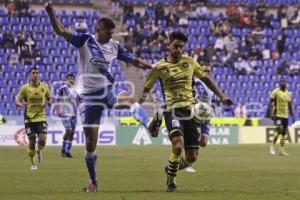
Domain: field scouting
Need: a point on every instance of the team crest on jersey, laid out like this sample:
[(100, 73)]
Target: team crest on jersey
[(185, 65), (42, 89)]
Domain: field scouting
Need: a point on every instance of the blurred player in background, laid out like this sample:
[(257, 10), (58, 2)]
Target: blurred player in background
[(204, 94), (33, 97), (281, 105), (95, 84), (175, 74), (66, 107)]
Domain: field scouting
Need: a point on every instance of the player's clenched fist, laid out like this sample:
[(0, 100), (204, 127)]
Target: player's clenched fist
[(48, 6)]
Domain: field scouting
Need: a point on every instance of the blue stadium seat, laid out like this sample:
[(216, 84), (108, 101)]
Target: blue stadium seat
[(62, 68), (53, 77)]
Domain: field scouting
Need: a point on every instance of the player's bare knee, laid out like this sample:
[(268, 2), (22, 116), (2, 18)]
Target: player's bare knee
[(178, 144), (90, 147)]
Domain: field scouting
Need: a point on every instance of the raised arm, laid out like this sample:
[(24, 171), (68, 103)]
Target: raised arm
[(57, 26)]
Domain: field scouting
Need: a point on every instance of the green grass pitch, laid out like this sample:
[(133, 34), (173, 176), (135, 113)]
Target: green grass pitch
[(233, 172)]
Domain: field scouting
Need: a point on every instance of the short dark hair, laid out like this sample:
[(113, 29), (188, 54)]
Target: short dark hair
[(108, 23), (33, 68), (178, 36), (70, 75)]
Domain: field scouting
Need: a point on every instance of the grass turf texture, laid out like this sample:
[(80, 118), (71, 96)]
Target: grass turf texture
[(136, 172)]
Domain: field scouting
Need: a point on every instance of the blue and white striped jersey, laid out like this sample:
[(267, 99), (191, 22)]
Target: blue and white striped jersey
[(94, 63)]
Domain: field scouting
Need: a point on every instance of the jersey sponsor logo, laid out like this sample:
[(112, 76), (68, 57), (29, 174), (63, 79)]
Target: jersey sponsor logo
[(175, 123), (98, 57), (99, 61)]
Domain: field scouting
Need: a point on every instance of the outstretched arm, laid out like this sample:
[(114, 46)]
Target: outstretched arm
[(57, 26), (141, 63), (213, 87)]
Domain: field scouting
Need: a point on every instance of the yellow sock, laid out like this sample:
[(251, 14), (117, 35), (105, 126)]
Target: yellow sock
[(173, 167), (31, 153), (183, 163), (282, 143)]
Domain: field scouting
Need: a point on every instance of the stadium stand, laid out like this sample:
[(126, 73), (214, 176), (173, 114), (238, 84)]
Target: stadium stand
[(265, 46), (274, 46)]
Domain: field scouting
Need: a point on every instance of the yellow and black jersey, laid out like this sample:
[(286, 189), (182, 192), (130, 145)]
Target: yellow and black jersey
[(176, 81), (282, 100), (35, 97)]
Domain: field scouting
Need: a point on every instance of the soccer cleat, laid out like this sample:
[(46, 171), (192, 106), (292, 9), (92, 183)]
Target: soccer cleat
[(171, 187), (155, 124), (68, 155), (283, 153), (39, 156), (190, 169), (272, 150), (33, 167), (92, 187)]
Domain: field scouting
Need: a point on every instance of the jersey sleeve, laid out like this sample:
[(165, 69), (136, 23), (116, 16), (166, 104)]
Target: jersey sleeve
[(21, 94), (152, 78), (124, 54), (60, 91), (47, 92), (273, 94), (78, 39), (198, 70)]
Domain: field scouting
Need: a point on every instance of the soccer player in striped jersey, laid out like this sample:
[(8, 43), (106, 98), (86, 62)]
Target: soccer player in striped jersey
[(281, 102), (33, 97), (175, 74), (94, 82), (66, 107)]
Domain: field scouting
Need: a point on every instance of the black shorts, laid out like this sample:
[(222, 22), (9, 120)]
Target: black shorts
[(180, 122), (281, 125), (33, 128)]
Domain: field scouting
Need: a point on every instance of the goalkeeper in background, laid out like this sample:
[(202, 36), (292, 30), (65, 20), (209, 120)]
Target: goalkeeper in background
[(176, 73), (281, 105)]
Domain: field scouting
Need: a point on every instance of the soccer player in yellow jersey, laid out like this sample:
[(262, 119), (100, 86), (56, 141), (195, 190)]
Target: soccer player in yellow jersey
[(175, 74), (33, 97), (281, 101)]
